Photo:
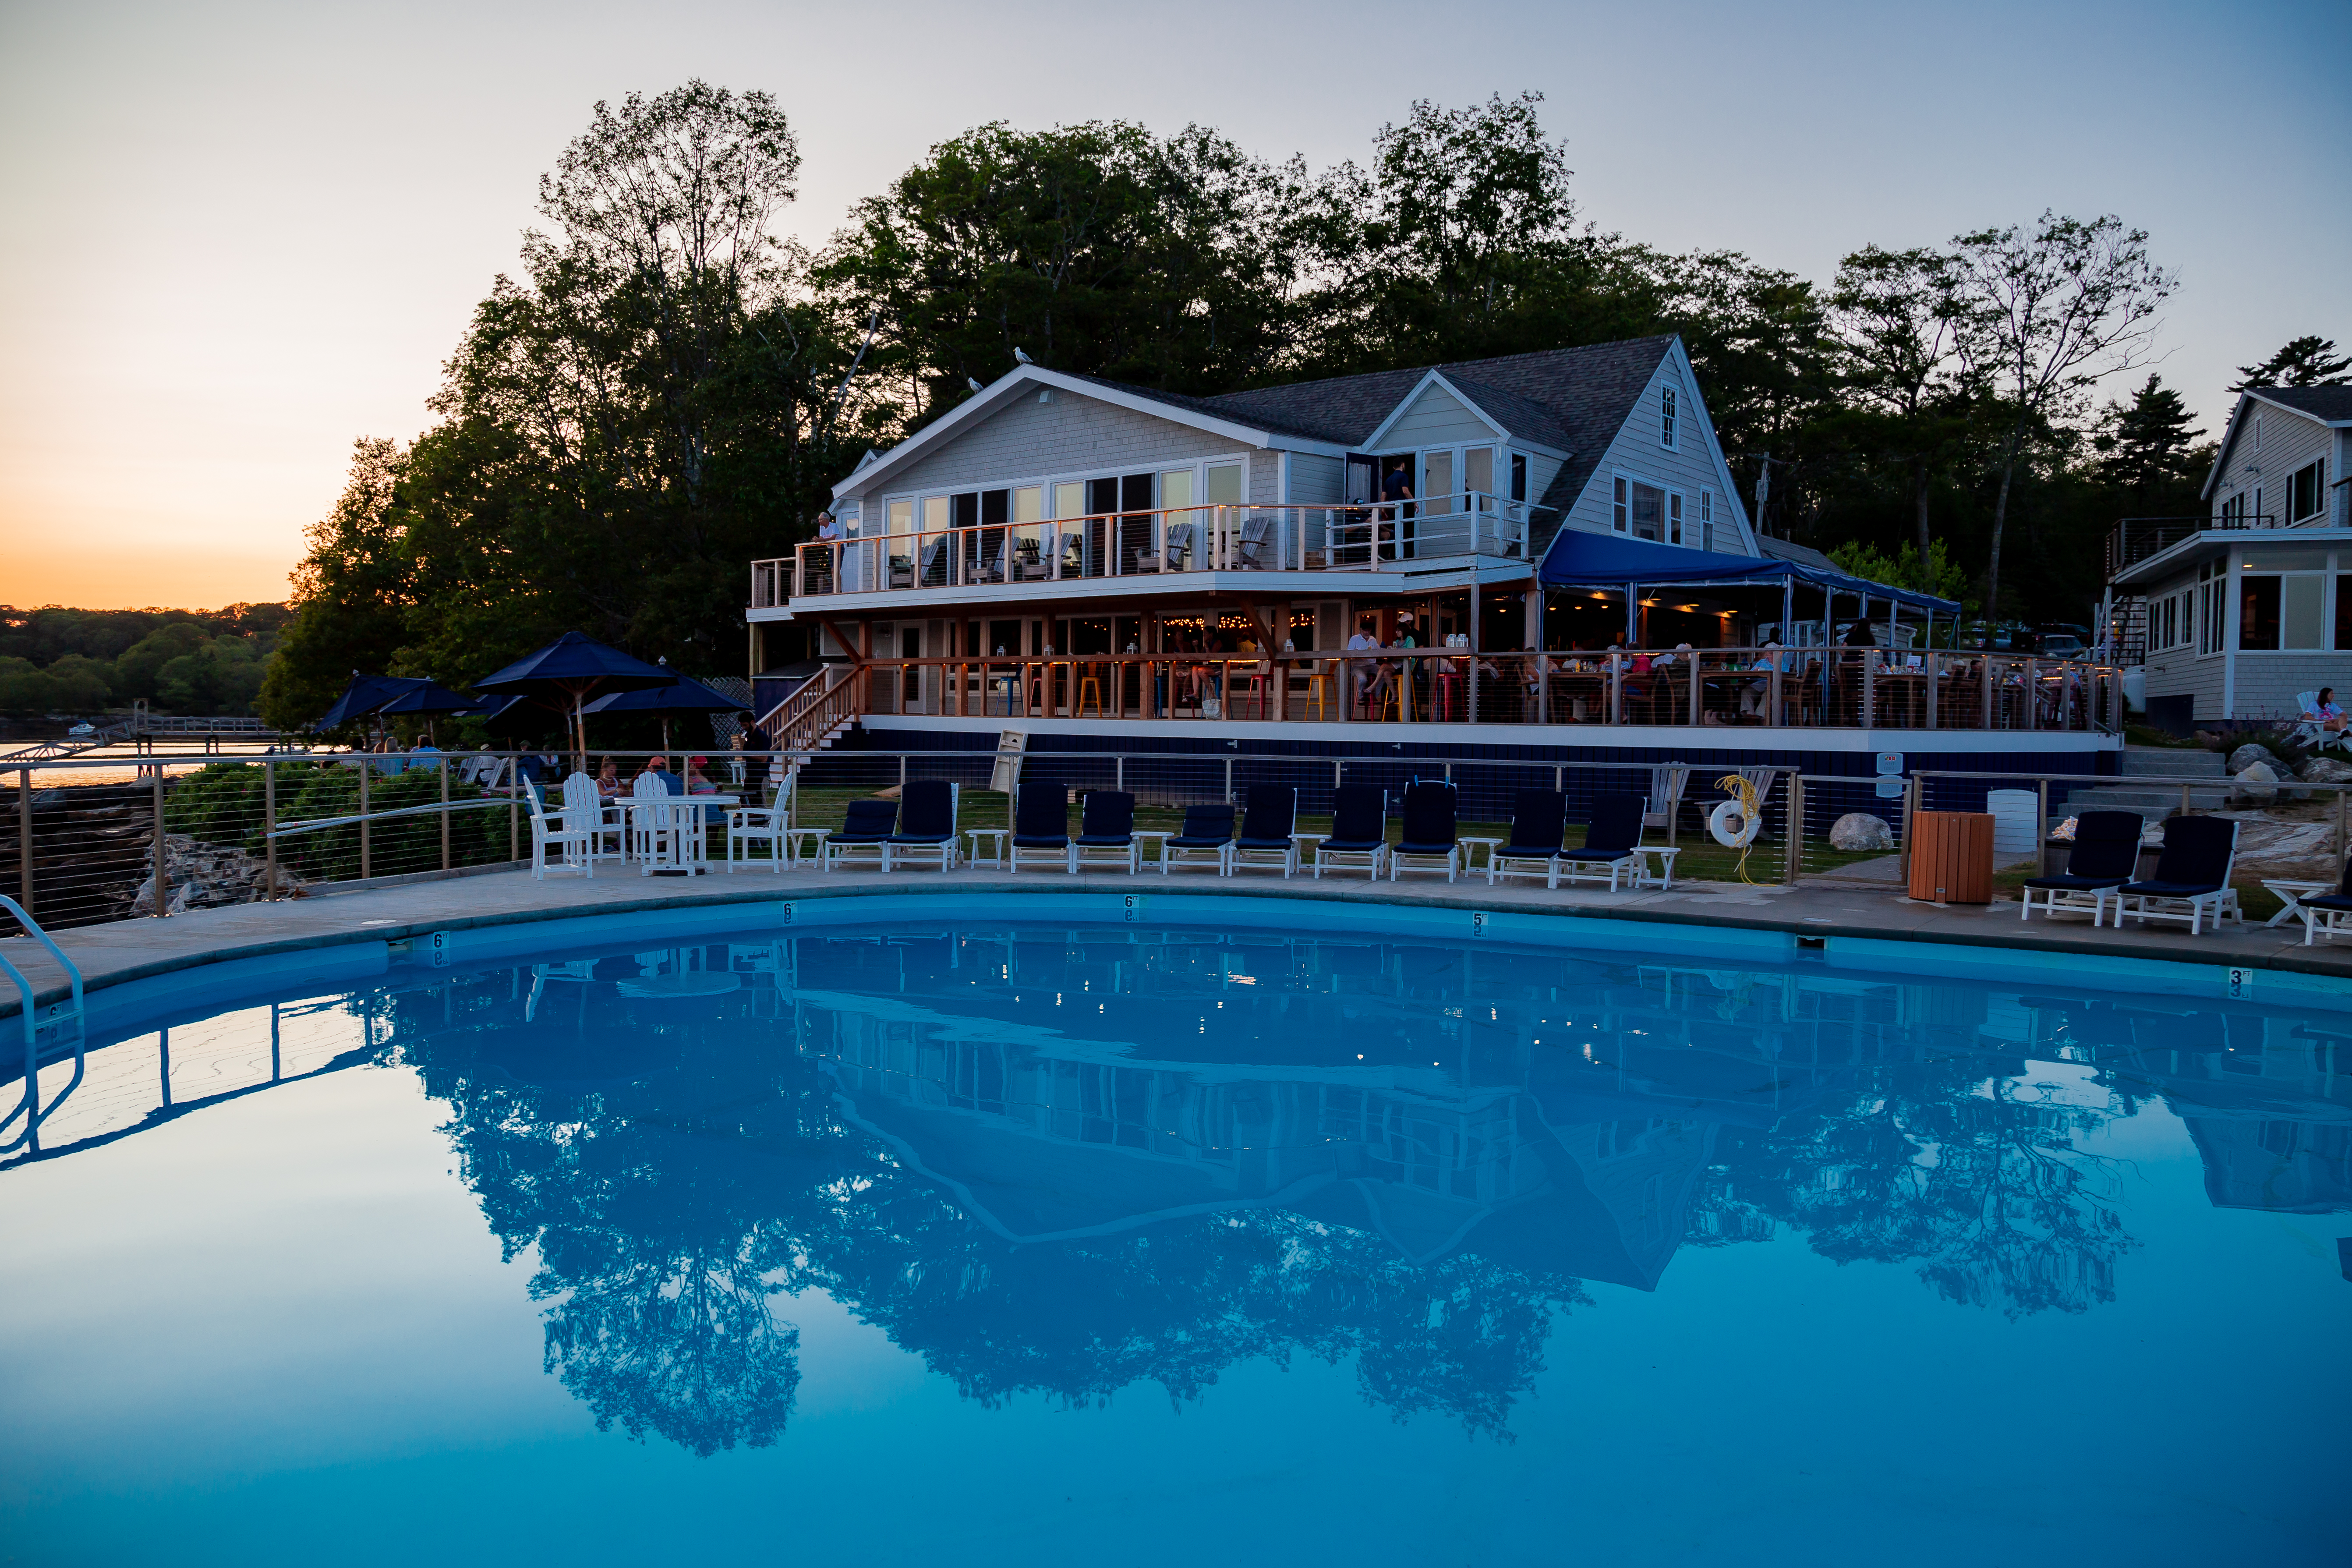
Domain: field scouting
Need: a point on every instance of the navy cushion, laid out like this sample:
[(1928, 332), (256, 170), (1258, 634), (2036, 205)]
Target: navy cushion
[(1040, 841), (1424, 849), (922, 837), (2328, 901), (2073, 884), (1181, 842), (859, 838), (1107, 840), (1596, 854), (1263, 843), (2172, 890), (1353, 846)]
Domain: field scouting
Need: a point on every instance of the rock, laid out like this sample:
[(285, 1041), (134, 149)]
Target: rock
[(2257, 780), (1860, 830), (2325, 770), (207, 876), (2207, 739), (2245, 756)]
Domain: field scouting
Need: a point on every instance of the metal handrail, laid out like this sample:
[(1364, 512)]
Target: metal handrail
[(30, 1107)]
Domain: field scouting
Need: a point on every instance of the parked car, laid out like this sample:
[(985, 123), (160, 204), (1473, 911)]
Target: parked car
[(2059, 645)]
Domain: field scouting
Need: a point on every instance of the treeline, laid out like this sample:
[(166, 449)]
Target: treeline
[(80, 662), (667, 389)]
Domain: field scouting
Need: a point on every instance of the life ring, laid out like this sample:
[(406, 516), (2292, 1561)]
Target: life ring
[(1733, 827)]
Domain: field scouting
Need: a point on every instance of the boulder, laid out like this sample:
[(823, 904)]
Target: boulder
[(2257, 782), (1860, 830), (2325, 770), (2245, 756)]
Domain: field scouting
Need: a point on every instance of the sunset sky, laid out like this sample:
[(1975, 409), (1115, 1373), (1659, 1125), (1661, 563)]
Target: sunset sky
[(238, 236)]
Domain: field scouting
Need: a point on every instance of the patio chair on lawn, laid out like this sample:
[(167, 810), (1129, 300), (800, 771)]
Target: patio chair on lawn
[(866, 826), (1208, 831), (2105, 857), (1106, 830), (1612, 839), (2192, 876), (2318, 736), (927, 826), (769, 825), (2325, 913), (1538, 823), (1359, 831), (1269, 819), (1430, 826), (1041, 826), (1667, 782)]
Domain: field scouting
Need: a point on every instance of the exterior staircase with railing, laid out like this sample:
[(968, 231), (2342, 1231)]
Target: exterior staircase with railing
[(2155, 801), (813, 717)]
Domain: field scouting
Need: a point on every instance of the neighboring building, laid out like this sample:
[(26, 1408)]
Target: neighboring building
[(2240, 611)]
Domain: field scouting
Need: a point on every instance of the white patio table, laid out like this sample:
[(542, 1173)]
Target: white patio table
[(670, 833)]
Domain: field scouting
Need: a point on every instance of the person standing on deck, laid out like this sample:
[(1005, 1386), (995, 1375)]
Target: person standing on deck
[(1396, 489)]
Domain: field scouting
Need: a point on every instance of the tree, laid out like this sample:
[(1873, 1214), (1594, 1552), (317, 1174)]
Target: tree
[(2307, 361), (2060, 306), (2148, 448), (1904, 336)]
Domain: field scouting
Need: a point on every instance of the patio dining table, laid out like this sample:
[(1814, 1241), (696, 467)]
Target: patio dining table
[(669, 837)]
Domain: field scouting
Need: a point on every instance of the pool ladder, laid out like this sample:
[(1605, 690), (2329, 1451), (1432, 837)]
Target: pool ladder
[(60, 1021)]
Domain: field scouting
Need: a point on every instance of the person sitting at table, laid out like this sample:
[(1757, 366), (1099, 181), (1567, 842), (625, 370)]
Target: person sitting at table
[(1362, 672), (658, 767), (1756, 696), (608, 780)]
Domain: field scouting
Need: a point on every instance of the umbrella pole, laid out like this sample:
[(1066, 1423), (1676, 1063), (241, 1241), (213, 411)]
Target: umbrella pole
[(665, 743)]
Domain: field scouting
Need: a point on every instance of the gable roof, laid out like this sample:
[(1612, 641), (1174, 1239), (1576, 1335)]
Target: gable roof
[(2330, 406)]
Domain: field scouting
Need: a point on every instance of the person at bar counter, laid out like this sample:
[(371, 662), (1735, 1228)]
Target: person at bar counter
[(1362, 672)]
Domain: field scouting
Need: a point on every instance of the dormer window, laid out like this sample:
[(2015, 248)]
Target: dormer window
[(1667, 420)]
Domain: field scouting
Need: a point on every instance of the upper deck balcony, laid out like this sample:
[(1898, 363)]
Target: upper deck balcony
[(1137, 551)]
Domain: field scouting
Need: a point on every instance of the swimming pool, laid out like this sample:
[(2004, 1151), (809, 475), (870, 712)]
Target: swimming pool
[(1182, 1240)]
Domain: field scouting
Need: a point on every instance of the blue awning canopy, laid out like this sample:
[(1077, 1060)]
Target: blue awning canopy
[(1581, 560)]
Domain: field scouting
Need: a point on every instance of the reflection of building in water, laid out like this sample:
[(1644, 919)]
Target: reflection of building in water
[(1566, 1127), (2267, 1097)]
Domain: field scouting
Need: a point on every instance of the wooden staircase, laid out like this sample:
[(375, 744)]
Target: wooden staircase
[(811, 718)]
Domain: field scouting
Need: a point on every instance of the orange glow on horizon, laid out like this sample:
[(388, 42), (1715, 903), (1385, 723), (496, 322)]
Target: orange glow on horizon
[(96, 577)]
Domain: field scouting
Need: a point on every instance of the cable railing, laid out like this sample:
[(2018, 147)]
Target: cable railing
[(1167, 541)]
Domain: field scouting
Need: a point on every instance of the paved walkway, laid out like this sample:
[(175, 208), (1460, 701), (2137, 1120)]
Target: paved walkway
[(128, 950)]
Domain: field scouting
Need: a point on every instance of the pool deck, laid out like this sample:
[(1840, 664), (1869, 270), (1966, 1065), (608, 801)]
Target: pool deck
[(136, 948)]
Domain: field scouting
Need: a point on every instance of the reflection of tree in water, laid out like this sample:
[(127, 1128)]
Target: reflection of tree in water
[(667, 1211), (1977, 1182)]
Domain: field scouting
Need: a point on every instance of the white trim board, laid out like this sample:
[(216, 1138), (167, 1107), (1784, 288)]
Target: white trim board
[(1646, 737)]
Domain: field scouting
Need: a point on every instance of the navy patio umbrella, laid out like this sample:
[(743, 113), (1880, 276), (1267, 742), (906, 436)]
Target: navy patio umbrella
[(429, 699), (365, 695), (561, 674), (682, 698)]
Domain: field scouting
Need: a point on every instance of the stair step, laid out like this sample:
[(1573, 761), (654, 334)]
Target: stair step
[(2178, 763)]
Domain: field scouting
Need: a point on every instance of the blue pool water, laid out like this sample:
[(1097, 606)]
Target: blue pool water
[(1032, 1244)]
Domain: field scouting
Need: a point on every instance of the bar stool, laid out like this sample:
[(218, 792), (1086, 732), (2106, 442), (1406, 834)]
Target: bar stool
[(1089, 689), (1319, 686)]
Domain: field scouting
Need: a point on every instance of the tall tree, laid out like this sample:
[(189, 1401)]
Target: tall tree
[(2059, 305), (2148, 448), (2307, 361), (1904, 336)]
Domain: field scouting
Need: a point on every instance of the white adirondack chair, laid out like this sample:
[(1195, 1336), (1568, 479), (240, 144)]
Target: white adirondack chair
[(566, 830), (750, 825)]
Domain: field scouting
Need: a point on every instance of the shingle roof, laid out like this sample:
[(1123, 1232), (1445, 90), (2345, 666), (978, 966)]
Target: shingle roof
[(2328, 403)]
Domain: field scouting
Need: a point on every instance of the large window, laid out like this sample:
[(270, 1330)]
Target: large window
[(2344, 612), (2212, 581), (2277, 612), (2307, 492)]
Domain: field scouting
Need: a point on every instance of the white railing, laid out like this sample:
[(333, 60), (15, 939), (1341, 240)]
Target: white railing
[(1170, 539)]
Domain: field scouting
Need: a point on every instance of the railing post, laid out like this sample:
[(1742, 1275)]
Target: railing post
[(269, 829), (514, 792), (1869, 690), (1229, 781), (1933, 671), (1984, 706), (25, 838), (441, 766), (1795, 846), (367, 845), (158, 857), (1616, 689)]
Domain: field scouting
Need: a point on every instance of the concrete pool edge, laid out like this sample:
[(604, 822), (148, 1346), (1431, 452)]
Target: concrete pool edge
[(332, 947)]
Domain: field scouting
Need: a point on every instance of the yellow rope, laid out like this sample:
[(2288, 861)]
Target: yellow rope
[(1737, 787)]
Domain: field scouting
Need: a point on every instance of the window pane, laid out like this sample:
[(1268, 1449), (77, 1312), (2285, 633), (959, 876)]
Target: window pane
[(1478, 469), (1649, 510), (1620, 508), (2258, 612), (935, 514), (902, 517), (2299, 612), (1224, 485), (1436, 483), (1029, 503), (1070, 501), (2344, 612)]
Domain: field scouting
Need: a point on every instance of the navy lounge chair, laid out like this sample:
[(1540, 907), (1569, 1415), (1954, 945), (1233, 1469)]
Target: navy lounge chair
[(867, 825), (2192, 876), (1106, 830), (1041, 826), (1267, 823), (2324, 914), (1430, 827), (1359, 831), (1539, 822), (1208, 831), (1612, 839), (2105, 857), (927, 826)]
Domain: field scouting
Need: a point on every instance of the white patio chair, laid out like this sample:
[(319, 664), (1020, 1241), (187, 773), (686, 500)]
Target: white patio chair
[(567, 829), (769, 825), (1667, 782)]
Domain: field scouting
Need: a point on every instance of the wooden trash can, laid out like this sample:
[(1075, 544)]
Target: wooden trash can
[(1951, 856)]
